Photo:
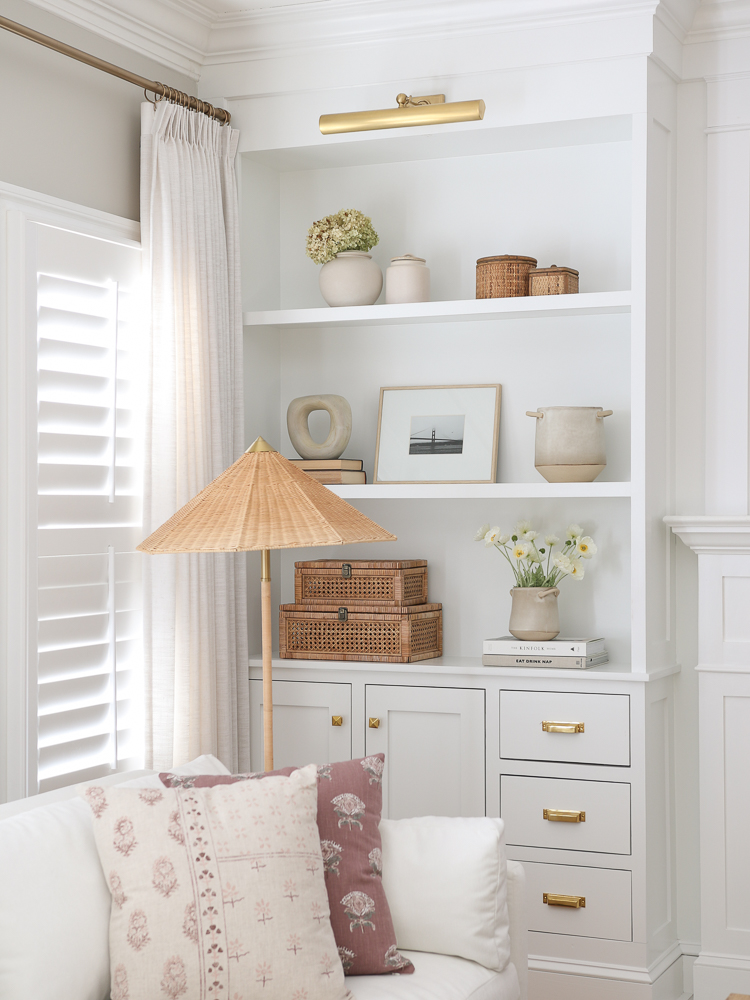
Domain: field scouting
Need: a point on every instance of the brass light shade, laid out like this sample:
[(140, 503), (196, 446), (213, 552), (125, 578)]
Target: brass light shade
[(430, 110), (263, 502)]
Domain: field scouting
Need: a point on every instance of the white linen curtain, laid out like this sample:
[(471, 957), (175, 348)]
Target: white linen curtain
[(195, 618)]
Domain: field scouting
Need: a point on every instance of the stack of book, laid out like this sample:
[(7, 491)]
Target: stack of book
[(333, 471), (579, 654)]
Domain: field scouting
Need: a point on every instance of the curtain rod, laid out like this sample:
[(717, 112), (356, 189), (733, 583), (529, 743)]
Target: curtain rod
[(175, 96)]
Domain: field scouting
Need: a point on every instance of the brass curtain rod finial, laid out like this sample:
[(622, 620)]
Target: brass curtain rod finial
[(427, 110)]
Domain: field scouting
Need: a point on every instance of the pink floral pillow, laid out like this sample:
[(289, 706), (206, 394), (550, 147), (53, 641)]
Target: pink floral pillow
[(217, 892), (349, 805)]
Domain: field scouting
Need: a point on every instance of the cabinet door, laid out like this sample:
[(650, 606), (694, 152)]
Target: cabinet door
[(303, 730), (434, 746)]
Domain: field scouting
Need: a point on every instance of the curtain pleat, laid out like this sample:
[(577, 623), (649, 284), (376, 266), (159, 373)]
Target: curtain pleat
[(195, 622)]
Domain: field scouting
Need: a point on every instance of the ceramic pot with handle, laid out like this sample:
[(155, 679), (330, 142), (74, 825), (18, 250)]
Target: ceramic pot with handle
[(570, 445), (534, 613)]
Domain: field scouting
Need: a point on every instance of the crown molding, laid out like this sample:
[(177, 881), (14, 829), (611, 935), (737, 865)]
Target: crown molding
[(720, 20), (186, 35), (712, 534), (271, 32), (175, 33)]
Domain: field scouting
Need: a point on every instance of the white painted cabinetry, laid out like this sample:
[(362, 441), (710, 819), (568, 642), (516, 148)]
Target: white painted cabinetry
[(462, 739), (306, 725), (433, 741)]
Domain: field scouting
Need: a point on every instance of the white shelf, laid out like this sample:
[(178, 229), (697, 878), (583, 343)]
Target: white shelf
[(479, 491), (525, 307), (464, 665)]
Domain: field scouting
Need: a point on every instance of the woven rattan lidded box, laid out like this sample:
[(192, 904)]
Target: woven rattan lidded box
[(397, 583), (400, 635), (553, 280), (504, 276)]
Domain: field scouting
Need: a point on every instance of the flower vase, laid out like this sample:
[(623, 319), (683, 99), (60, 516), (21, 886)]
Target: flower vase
[(352, 278), (534, 613)]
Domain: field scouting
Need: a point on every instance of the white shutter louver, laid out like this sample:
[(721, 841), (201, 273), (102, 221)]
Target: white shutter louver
[(89, 508)]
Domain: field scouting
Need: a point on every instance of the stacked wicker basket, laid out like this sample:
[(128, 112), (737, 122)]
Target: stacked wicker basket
[(359, 610), (510, 275)]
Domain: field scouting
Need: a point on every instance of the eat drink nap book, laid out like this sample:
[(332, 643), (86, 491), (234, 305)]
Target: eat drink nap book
[(551, 662), (508, 645)]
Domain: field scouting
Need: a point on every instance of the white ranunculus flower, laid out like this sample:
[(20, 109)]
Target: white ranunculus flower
[(576, 569), (585, 547), (522, 527), (551, 540), (529, 536), (481, 532), (503, 539), (520, 551), (574, 531), (492, 536), (534, 555)]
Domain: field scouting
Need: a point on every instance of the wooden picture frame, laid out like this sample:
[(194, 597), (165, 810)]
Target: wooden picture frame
[(438, 434)]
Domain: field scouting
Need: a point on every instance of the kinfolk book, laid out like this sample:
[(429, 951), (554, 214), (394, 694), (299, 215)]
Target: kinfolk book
[(508, 645)]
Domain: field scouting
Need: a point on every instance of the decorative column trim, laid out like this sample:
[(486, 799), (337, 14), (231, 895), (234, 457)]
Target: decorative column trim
[(712, 534)]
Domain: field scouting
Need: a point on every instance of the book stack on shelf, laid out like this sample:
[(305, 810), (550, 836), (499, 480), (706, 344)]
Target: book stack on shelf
[(333, 471), (577, 654)]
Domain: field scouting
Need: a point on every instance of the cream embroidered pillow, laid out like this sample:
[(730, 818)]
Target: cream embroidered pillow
[(217, 892)]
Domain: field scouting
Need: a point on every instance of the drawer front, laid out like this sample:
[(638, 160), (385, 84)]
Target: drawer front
[(602, 722), (602, 810), (606, 891)]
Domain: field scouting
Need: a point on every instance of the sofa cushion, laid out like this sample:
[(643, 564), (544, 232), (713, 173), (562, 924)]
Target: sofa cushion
[(445, 879), (217, 892), (440, 977), (54, 906), (349, 806)]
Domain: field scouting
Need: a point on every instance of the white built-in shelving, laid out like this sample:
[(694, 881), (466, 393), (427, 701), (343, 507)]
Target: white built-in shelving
[(480, 491), (461, 310)]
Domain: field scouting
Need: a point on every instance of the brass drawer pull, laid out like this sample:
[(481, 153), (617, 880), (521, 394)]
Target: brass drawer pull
[(564, 815), (374, 723), (562, 727), (554, 899), (337, 720)]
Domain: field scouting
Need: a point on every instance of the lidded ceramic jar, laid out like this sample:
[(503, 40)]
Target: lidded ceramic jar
[(407, 280)]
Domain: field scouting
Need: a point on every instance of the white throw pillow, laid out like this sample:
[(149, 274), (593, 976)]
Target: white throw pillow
[(218, 892), (445, 883), (54, 904)]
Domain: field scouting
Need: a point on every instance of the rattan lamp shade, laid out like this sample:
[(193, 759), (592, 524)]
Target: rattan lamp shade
[(263, 502)]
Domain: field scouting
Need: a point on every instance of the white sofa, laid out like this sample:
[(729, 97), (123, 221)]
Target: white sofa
[(54, 912)]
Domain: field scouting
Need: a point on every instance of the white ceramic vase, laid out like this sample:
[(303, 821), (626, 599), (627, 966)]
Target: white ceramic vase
[(534, 613), (352, 278)]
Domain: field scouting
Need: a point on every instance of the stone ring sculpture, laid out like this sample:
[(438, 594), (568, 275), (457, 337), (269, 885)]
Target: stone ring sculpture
[(297, 416)]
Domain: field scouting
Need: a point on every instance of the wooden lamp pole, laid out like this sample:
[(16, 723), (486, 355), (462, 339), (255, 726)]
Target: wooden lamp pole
[(267, 643)]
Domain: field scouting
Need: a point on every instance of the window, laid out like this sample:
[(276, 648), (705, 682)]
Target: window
[(88, 510)]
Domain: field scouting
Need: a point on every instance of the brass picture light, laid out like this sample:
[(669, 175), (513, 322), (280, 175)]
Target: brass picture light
[(430, 110)]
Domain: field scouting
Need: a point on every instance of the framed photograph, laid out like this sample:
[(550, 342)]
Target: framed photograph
[(438, 434)]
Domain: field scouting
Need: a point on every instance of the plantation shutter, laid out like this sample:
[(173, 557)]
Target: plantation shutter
[(89, 507)]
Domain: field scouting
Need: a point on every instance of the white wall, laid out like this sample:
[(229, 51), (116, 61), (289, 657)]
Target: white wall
[(69, 130)]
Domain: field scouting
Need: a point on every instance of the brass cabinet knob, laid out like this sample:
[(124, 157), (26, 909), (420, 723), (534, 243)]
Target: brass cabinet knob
[(562, 727), (374, 723), (564, 815), (337, 720), (555, 899)]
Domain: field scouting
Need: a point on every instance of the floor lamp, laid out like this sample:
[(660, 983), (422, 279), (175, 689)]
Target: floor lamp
[(263, 502)]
